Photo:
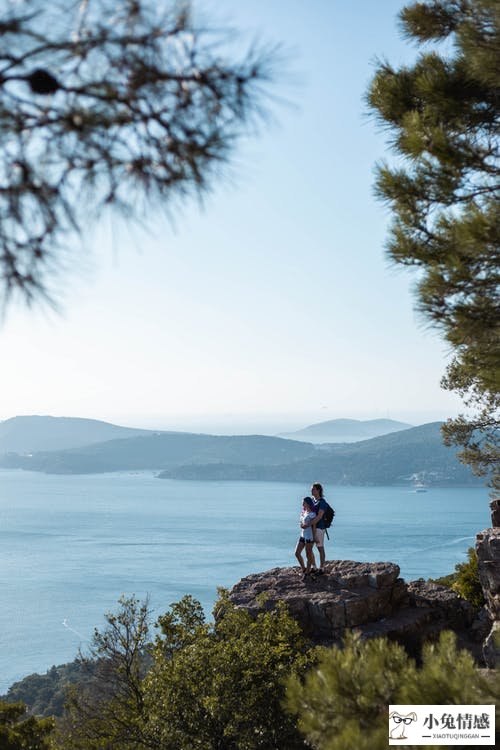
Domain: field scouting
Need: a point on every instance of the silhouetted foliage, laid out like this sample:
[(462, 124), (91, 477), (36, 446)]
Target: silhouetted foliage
[(442, 115), (108, 103)]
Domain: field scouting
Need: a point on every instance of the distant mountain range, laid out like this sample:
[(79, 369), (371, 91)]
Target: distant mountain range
[(38, 433), (133, 449), (388, 459), (346, 430)]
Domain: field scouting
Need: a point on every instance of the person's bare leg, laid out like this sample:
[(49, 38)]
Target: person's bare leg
[(311, 562), (298, 554), (319, 539)]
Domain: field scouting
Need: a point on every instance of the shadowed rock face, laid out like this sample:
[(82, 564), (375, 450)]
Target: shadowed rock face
[(369, 597), (488, 563)]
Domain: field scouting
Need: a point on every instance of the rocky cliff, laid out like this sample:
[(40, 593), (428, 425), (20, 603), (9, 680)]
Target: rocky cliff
[(488, 561), (368, 597)]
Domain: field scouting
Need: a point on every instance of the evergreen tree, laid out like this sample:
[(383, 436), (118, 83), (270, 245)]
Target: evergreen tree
[(343, 702), (442, 115), (107, 103)]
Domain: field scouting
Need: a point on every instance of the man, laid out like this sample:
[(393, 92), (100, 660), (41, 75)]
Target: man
[(318, 524)]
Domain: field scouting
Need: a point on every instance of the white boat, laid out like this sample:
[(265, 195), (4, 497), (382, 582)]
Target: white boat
[(419, 487)]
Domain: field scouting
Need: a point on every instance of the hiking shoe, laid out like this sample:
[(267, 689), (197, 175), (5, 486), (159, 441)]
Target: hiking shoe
[(319, 572)]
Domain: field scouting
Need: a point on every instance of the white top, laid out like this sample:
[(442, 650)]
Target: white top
[(307, 517)]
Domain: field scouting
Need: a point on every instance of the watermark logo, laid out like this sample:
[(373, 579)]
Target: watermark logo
[(441, 725), (400, 721)]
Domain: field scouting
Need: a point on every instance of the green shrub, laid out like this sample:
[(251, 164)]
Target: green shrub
[(465, 580), (467, 583)]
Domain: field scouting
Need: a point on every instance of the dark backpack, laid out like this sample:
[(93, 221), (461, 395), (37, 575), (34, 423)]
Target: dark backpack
[(328, 516)]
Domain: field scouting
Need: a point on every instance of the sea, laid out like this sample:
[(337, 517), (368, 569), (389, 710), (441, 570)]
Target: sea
[(70, 546)]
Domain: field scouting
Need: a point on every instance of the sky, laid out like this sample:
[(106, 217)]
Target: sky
[(272, 305)]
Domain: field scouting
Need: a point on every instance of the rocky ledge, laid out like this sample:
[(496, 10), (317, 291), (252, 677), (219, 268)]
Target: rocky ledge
[(368, 597)]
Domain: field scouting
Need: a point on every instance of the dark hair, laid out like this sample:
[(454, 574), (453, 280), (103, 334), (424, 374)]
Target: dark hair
[(319, 487), (308, 501)]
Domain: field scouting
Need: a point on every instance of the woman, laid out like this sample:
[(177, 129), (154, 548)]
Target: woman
[(306, 538)]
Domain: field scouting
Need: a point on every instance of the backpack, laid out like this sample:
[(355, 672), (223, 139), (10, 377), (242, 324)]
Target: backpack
[(328, 515)]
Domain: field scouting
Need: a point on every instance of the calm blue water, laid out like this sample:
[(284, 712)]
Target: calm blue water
[(70, 545)]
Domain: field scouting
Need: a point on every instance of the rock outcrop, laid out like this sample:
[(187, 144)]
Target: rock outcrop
[(347, 595), (495, 511), (368, 597), (488, 563)]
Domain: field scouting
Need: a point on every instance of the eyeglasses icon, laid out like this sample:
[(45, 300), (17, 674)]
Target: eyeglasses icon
[(399, 719)]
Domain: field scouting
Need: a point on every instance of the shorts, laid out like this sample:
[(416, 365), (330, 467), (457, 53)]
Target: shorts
[(305, 541), (319, 537)]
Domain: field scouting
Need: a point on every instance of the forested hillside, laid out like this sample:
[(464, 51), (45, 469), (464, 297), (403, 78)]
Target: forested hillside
[(386, 460)]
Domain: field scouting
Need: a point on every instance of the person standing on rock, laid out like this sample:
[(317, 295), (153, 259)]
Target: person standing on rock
[(318, 524), (306, 539)]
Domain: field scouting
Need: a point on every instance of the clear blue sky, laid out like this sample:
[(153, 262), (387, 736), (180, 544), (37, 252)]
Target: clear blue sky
[(273, 304)]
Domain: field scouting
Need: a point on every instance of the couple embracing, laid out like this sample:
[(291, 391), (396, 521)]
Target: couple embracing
[(314, 520)]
